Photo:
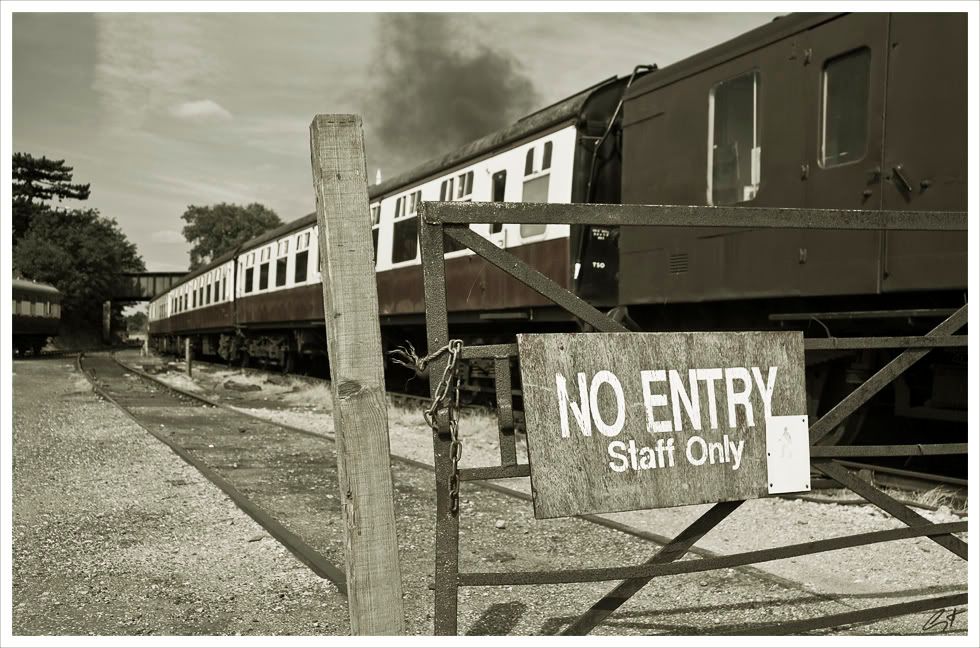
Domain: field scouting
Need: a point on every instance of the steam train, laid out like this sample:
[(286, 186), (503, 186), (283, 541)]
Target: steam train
[(35, 315), (861, 111)]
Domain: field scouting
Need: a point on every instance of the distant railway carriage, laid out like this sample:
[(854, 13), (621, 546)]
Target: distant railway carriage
[(36, 315), (812, 110)]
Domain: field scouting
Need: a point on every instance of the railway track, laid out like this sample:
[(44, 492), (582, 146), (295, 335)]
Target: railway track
[(885, 476), (54, 354)]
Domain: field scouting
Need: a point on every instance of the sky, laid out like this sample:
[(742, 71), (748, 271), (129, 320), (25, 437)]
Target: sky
[(162, 111)]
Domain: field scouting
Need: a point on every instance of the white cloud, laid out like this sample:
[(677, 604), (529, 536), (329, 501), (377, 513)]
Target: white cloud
[(167, 236), (203, 109), (146, 63)]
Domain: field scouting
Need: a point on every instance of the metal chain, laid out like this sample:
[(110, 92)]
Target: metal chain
[(442, 403)]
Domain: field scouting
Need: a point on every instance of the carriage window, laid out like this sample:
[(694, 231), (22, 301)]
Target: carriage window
[(529, 162), (299, 272), (416, 199), (207, 294), (546, 159), (375, 229), (499, 189), (224, 288), (464, 184), (734, 154), (844, 118), (535, 190), (499, 186), (283, 248), (405, 240), (405, 231), (281, 271), (194, 299), (446, 190), (263, 276), (248, 279)]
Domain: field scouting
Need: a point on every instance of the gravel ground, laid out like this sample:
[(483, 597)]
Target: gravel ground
[(152, 504), (113, 534), (862, 577)]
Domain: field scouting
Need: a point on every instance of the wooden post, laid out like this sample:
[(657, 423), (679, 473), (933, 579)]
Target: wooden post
[(350, 300), (188, 356), (107, 322)]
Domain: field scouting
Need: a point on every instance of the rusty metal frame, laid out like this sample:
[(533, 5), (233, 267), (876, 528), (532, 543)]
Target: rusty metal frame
[(452, 220)]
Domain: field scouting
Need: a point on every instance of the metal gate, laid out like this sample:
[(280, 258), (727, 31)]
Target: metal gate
[(452, 220)]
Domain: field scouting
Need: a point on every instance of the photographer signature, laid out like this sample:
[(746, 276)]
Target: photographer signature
[(942, 620)]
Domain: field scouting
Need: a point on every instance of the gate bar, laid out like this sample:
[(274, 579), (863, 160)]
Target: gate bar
[(886, 503), (673, 550), (857, 616), (708, 564), (465, 213), (920, 450), (896, 342), (881, 378), (446, 597), (488, 351), (505, 412), (494, 351)]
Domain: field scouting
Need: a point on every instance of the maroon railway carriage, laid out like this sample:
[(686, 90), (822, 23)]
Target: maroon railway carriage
[(35, 315), (853, 111), (812, 110), (264, 300)]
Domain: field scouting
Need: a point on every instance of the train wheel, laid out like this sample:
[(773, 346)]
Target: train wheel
[(288, 361), (835, 389)]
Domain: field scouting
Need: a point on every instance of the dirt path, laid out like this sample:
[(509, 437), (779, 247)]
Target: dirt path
[(113, 534)]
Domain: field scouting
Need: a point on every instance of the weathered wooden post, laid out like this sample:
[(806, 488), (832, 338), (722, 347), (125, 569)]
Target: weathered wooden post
[(188, 357), (350, 302)]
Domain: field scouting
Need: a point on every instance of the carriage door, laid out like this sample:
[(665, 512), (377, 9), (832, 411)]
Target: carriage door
[(926, 146), (844, 66)]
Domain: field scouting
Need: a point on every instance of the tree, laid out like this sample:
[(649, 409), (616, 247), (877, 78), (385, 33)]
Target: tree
[(216, 229), (36, 180), (81, 253), (136, 322)]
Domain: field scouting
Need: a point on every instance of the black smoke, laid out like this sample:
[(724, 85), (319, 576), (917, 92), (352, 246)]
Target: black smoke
[(434, 89)]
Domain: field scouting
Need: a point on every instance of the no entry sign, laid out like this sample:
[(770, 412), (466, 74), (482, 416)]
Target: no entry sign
[(626, 421)]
